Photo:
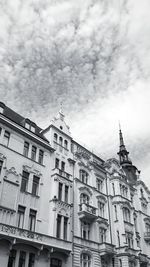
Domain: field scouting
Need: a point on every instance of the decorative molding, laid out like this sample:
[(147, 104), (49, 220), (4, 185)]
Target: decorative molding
[(84, 188), (2, 157), (31, 169)]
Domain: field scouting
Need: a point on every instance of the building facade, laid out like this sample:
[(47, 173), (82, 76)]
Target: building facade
[(63, 206)]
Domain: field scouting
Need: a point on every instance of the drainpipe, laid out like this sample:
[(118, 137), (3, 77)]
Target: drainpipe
[(72, 253)]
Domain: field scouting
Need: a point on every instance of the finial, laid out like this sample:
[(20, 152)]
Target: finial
[(61, 114)]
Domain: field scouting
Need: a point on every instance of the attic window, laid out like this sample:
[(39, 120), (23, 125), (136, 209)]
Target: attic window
[(1, 110), (32, 129), (61, 127), (27, 125)]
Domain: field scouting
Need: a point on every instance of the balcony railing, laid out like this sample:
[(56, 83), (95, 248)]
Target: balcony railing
[(87, 211), (147, 236), (62, 173), (12, 232)]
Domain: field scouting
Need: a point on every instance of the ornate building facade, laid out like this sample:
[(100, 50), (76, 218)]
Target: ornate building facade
[(63, 206)]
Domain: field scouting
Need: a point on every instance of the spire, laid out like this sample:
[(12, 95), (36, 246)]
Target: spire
[(61, 114), (123, 153)]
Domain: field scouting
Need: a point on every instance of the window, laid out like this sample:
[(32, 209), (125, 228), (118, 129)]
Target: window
[(58, 234), (32, 220), (35, 185), (123, 190), (118, 238), (84, 176), (32, 128), (56, 263), (22, 259), (120, 263), (1, 110), (24, 182), (85, 260), (27, 125), (12, 256), (126, 214), (60, 141), (1, 165), (55, 137), (20, 216), (26, 149), (57, 163), (85, 230), (135, 223), (84, 199), (129, 239), (63, 166), (113, 187), (147, 226), (101, 209), (41, 155), (60, 185), (66, 193), (33, 153), (66, 144), (102, 234), (99, 185), (6, 138), (31, 260), (116, 215), (65, 227), (0, 130)]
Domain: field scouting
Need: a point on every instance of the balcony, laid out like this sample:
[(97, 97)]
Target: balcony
[(87, 212), (147, 236), (61, 173), (33, 238), (106, 249)]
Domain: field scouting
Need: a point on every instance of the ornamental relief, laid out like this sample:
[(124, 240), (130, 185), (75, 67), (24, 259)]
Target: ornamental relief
[(85, 189), (86, 165), (12, 175), (61, 180), (2, 157)]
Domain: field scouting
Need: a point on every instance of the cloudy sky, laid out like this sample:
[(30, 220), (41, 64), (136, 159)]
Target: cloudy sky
[(91, 55)]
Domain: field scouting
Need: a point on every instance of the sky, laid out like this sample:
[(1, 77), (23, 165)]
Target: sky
[(93, 57)]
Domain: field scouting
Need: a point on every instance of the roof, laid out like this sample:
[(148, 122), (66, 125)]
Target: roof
[(20, 120)]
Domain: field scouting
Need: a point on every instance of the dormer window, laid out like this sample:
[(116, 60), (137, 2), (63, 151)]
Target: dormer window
[(32, 129), (27, 125), (1, 110), (83, 176)]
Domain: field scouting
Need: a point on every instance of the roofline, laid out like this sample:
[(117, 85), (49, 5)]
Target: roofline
[(60, 131), (21, 129)]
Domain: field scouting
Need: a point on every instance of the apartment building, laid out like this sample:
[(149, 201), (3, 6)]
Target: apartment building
[(61, 205)]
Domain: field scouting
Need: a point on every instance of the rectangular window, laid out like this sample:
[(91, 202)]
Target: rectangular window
[(129, 239), (32, 220), (35, 185), (113, 187), (41, 156), (66, 193), (85, 230), (1, 165), (12, 257), (22, 259), (0, 130), (60, 185), (56, 263), (24, 182), (57, 163), (58, 234), (116, 215), (63, 166), (33, 153), (26, 149), (6, 138), (31, 260), (99, 185), (101, 209), (65, 227), (102, 236), (20, 216)]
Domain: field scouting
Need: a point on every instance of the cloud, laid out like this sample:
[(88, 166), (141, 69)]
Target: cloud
[(92, 55)]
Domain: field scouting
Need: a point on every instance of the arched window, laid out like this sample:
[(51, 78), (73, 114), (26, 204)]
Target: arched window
[(84, 198), (126, 214), (55, 137), (85, 260), (84, 176), (60, 141), (66, 144)]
